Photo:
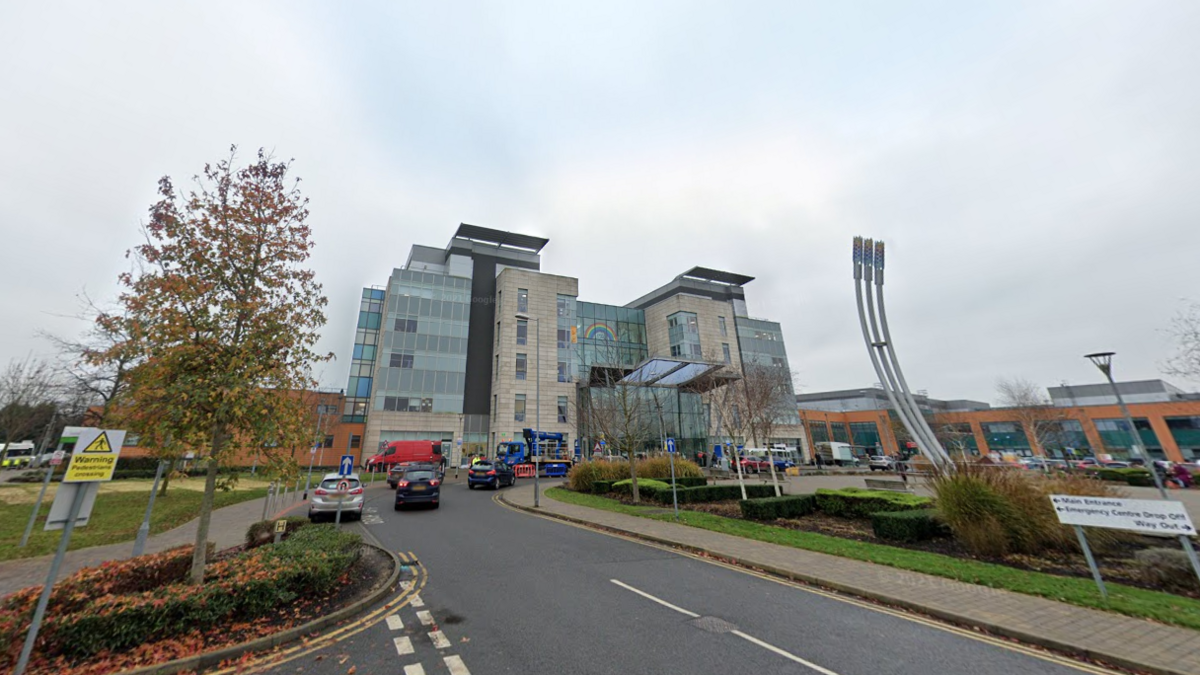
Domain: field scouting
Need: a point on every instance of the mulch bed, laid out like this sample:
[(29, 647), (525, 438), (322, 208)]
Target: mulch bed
[(367, 574), (1117, 565)]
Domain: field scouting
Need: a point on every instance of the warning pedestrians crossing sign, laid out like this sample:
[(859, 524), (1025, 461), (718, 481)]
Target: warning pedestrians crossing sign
[(95, 456)]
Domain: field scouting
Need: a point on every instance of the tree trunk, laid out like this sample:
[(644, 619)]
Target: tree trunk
[(633, 477), (162, 490), (200, 554)]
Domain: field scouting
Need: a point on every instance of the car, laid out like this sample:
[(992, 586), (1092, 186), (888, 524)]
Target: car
[(492, 474), (752, 465), (396, 472), (1116, 465), (418, 485), (335, 489), (882, 463)]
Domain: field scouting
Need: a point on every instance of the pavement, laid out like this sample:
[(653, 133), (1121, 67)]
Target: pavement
[(227, 528), (1111, 638)]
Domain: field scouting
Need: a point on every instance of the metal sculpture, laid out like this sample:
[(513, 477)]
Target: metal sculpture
[(868, 266)]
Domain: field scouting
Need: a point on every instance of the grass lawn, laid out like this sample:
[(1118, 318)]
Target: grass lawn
[(1138, 602), (119, 510)]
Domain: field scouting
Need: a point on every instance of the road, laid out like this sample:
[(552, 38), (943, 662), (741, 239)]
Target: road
[(515, 593)]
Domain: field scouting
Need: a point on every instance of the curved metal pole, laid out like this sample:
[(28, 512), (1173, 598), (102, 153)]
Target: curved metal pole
[(887, 341), (862, 320)]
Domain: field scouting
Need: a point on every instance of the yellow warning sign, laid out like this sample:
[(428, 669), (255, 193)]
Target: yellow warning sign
[(100, 444)]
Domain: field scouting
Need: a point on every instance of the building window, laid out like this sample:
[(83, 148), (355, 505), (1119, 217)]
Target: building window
[(721, 324), (401, 360), (562, 372), (564, 306), (355, 440), (725, 352), (522, 300), (495, 404), (497, 334), (406, 325), (564, 337), (426, 405), (776, 361), (562, 409), (522, 332), (521, 363), (328, 441), (519, 408)]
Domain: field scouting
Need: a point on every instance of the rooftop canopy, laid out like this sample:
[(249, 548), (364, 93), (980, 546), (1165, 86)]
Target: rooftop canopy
[(718, 276), (696, 376), (477, 233)]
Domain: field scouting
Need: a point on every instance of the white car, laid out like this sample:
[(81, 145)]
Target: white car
[(334, 490), (882, 463)]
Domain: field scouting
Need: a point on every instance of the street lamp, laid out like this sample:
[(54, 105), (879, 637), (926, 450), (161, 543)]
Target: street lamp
[(537, 414), (1103, 361)]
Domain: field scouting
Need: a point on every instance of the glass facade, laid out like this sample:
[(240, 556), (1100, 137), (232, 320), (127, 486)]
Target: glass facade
[(565, 327), (562, 409), (761, 343), (1114, 434), (840, 433), (1186, 432), (819, 431), (865, 434), (957, 437), (683, 332), (1005, 437), (425, 339), (362, 363), (607, 334)]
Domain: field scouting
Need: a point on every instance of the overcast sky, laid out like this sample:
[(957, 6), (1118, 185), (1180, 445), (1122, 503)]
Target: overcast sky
[(1032, 166)]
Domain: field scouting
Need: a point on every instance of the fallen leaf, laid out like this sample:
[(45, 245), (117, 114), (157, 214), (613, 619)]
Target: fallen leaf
[(351, 671)]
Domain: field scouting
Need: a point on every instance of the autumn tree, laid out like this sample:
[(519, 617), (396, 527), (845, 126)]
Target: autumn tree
[(1040, 420), (224, 314)]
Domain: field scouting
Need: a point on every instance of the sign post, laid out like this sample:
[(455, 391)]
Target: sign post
[(37, 506), (674, 494), (280, 528), (1147, 516), (345, 468), (93, 461)]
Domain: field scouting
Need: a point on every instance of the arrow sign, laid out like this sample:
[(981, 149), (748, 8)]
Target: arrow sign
[(670, 445), (347, 465)]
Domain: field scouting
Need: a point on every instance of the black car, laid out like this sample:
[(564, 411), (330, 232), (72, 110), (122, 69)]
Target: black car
[(396, 473), (493, 474), (418, 485)]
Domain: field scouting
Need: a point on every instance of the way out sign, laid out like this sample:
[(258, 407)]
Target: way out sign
[(1148, 516), (95, 456)]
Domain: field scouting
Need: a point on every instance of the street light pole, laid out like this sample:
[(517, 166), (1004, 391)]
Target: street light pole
[(537, 414), (311, 454), (1103, 361)]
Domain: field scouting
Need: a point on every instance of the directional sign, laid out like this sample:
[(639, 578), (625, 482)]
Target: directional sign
[(347, 466), (1150, 516), (95, 456), (280, 526), (670, 445), (343, 486)]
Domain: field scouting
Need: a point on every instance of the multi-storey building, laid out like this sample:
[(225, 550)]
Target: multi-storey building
[(463, 342)]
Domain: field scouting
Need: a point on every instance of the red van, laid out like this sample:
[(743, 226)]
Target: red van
[(406, 452)]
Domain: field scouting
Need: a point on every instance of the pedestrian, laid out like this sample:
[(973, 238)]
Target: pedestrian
[(903, 471), (1183, 476)]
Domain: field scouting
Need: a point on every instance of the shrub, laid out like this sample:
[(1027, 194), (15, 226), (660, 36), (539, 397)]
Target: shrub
[(647, 487), (861, 503), (263, 532), (720, 493), (997, 511), (1167, 568), (582, 475), (908, 526), (601, 487), (770, 508), (689, 481), (660, 468), (239, 588), (138, 464)]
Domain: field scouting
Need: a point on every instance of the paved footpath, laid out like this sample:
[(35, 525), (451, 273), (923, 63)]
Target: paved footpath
[(1112, 638), (227, 528)]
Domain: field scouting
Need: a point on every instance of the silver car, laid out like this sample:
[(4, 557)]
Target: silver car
[(334, 490)]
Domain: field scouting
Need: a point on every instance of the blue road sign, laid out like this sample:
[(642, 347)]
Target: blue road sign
[(670, 445), (347, 466)]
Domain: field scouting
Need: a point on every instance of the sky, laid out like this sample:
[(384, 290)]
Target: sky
[(1031, 166)]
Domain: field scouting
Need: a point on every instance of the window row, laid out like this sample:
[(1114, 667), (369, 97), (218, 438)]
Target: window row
[(430, 340), (418, 381), (431, 309), (407, 404), (432, 280)]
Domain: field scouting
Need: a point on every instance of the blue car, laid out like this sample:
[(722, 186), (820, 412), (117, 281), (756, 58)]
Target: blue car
[(490, 474)]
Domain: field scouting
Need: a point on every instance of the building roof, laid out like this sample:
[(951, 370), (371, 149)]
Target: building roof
[(500, 237), (708, 274), (674, 373)]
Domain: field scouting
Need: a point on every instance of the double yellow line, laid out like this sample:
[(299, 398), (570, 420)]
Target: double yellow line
[(266, 660)]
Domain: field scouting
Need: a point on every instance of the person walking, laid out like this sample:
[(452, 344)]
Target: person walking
[(1183, 476)]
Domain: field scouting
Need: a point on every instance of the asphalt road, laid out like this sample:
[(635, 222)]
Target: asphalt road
[(515, 593)]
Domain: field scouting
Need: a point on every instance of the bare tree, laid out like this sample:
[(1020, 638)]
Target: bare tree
[(765, 398), (724, 407), (1039, 418), (1185, 328), (28, 393)]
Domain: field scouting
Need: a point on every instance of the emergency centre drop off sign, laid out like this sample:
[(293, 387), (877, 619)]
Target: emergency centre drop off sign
[(1148, 516)]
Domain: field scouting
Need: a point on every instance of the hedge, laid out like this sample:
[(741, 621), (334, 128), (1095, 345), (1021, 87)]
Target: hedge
[(240, 588), (861, 503), (909, 526), (647, 487), (720, 493), (689, 481), (600, 487), (770, 508)]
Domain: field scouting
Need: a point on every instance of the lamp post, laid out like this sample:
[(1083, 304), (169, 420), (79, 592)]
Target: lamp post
[(537, 414), (1103, 361)]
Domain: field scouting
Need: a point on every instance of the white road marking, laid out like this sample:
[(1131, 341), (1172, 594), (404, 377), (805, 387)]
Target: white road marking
[(748, 638), (664, 603), (414, 669), (394, 622), (425, 617), (416, 601), (786, 655), (455, 665), (406, 585), (404, 646), (439, 639)]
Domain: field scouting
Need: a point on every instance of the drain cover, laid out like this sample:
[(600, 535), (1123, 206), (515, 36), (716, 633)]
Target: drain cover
[(712, 624)]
